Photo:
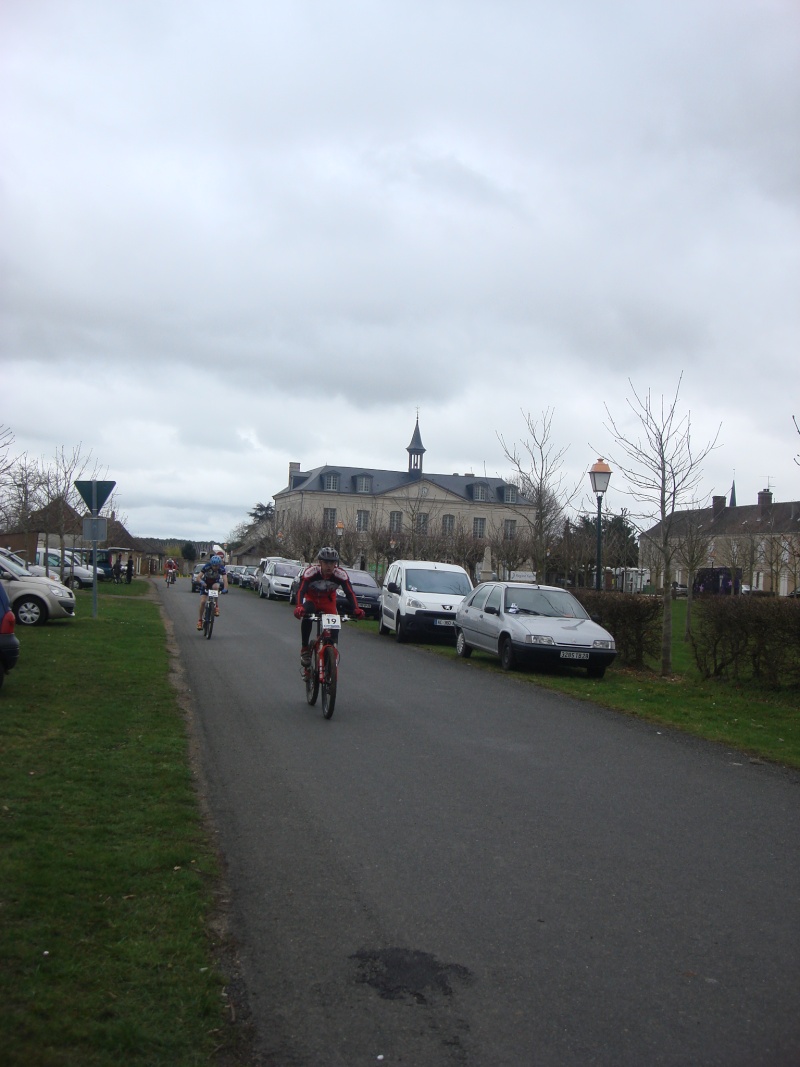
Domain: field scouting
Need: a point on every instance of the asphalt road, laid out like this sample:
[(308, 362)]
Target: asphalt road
[(462, 869)]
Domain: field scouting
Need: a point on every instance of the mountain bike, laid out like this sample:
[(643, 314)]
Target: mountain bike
[(210, 612), (171, 576), (323, 673)]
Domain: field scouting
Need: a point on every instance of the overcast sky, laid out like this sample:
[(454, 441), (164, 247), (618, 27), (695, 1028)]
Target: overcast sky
[(236, 235)]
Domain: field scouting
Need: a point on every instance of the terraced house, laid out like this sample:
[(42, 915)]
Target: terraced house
[(758, 545), (384, 513)]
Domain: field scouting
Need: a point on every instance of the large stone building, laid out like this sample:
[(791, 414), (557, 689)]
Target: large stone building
[(364, 506), (758, 544)]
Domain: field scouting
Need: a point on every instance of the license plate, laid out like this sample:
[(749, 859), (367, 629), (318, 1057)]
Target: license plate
[(443, 622), (574, 655)]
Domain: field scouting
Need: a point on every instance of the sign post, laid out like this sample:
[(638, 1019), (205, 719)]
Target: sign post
[(94, 495)]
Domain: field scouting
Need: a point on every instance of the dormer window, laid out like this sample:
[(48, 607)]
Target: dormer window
[(510, 494), (364, 483), (331, 482), (480, 492)]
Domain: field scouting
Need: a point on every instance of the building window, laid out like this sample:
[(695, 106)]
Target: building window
[(363, 483), (395, 521), (331, 483), (329, 518), (479, 529), (448, 524), (510, 494), (479, 492), (509, 529), (362, 521), (422, 522)]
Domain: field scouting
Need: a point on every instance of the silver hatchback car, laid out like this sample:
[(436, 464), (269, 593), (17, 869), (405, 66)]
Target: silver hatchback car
[(542, 624)]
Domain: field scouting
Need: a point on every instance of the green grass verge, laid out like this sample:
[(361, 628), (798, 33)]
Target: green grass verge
[(759, 722), (107, 880)]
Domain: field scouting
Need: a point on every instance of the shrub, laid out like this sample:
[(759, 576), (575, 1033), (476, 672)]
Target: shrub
[(633, 620), (748, 638)]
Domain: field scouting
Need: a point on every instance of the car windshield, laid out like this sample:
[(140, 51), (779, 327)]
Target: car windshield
[(363, 579), (557, 603), (286, 570), (14, 568), (453, 583)]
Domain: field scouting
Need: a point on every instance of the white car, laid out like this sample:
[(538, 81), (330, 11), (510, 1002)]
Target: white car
[(35, 600), (276, 578), (419, 598), (76, 576), (543, 624)]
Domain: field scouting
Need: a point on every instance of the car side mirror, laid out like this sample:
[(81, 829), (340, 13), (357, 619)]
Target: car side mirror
[(393, 587), (595, 618), (491, 610)]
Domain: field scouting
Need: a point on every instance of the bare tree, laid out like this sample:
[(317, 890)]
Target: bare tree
[(22, 494), (663, 471), (62, 498), (692, 552), (539, 477)]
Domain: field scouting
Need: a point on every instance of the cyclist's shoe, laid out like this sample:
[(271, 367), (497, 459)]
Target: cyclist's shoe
[(216, 610), (199, 624), (305, 656)]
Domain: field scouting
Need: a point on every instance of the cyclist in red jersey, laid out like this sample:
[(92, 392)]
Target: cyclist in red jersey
[(317, 593)]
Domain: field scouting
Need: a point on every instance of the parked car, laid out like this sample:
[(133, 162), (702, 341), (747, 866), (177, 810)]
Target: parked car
[(367, 590), (276, 578), (9, 642), (196, 572), (76, 576), (420, 598), (247, 579), (234, 572), (36, 571), (35, 600), (543, 624), (296, 584)]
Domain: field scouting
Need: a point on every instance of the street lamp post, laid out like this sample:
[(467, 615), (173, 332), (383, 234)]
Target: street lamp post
[(600, 476)]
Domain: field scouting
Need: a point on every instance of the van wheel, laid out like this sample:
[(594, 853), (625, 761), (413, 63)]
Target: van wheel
[(401, 633), (383, 629), (462, 648), (73, 582), (507, 657)]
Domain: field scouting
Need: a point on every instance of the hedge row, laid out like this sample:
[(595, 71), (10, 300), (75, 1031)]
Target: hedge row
[(633, 620), (748, 638)]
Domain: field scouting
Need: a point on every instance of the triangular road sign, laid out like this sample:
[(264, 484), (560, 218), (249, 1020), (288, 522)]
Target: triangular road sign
[(95, 494)]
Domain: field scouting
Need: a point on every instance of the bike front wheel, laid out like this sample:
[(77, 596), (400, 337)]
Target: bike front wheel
[(208, 622), (330, 677), (312, 681)]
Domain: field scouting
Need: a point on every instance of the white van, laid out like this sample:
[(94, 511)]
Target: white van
[(419, 598)]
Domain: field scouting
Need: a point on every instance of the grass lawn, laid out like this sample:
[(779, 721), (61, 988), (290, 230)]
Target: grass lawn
[(107, 879)]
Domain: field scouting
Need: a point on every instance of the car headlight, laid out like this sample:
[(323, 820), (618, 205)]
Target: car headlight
[(603, 644), (61, 591), (412, 603), (539, 639)]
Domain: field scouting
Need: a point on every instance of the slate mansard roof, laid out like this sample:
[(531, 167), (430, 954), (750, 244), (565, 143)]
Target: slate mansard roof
[(391, 483)]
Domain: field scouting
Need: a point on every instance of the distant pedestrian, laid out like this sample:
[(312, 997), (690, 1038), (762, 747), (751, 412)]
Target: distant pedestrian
[(117, 569), (129, 570)]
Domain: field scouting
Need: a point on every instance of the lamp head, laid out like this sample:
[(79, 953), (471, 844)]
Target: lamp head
[(600, 475)]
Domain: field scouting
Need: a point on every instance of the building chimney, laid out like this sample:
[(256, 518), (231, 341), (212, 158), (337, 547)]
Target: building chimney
[(717, 505), (764, 501)]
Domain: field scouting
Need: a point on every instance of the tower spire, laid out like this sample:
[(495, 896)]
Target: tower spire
[(415, 451)]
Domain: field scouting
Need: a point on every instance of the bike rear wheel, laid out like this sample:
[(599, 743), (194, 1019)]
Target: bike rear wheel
[(208, 621), (312, 681), (330, 677)]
